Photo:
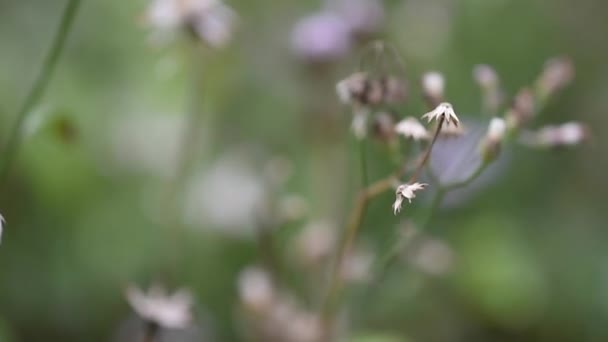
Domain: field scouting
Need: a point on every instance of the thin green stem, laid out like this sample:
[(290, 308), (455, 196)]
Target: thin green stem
[(38, 87)]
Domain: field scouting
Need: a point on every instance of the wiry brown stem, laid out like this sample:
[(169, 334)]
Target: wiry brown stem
[(354, 223), (427, 153)]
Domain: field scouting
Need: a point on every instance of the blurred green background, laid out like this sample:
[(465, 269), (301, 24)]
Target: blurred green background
[(90, 195)]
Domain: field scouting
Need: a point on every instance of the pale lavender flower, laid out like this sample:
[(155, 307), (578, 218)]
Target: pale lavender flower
[(322, 37), (444, 110), (363, 17), (158, 307), (412, 128), (456, 158), (406, 191)]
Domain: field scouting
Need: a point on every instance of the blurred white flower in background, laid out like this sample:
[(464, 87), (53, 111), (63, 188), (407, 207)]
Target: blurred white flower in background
[(158, 307), (230, 195), (211, 20), (411, 128)]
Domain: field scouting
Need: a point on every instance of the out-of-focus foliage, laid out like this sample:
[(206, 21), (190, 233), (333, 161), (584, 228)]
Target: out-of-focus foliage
[(92, 192)]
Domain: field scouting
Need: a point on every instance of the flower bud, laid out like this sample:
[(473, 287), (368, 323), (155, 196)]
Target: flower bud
[(558, 72), (522, 109), (568, 134), (490, 146)]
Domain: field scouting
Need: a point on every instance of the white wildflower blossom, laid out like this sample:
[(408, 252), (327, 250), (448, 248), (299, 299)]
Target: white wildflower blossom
[(412, 128), (156, 306), (433, 84), (406, 191), (444, 110), (211, 20)]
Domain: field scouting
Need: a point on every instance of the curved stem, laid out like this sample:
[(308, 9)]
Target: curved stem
[(39, 85), (427, 153)]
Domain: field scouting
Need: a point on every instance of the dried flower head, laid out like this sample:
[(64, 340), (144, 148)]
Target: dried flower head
[(211, 20), (361, 89), (433, 84), (410, 127), (558, 73), (256, 290), (444, 110), (406, 191), (157, 307)]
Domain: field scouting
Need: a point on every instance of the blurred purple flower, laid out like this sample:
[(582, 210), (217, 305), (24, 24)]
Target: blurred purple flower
[(322, 37), (454, 159), (363, 17)]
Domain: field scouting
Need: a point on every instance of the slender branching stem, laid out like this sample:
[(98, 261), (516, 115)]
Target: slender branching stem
[(355, 221), (427, 153), (38, 87)]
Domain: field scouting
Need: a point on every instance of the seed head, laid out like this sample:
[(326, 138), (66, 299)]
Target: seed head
[(406, 191), (444, 110)]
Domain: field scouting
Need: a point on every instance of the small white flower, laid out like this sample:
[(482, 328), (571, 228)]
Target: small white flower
[(412, 128), (406, 191), (2, 222), (433, 85), (496, 130), (568, 134), (156, 306), (445, 111)]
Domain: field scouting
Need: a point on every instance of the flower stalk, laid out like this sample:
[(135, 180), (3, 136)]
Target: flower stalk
[(38, 87)]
